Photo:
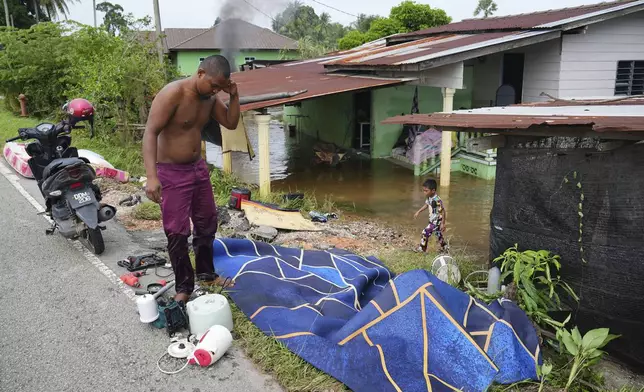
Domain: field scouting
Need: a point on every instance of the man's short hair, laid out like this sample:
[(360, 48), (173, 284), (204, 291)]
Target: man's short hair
[(216, 65)]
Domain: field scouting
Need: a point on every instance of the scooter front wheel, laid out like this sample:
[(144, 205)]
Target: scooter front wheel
[(93, 240)]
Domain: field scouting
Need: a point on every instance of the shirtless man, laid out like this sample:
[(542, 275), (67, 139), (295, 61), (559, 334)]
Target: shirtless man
[(177, 177)]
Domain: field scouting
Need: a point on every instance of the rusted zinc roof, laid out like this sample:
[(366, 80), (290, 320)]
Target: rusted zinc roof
[(452, 43), (421, 50), (303, 75), (600, 118), (515, 22), (633, 100)]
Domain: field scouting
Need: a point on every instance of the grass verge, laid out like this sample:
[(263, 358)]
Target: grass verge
[(290, 371), (147, 211), (223, 183)]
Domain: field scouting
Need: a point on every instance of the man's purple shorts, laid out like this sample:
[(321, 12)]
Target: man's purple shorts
[(187, 195)]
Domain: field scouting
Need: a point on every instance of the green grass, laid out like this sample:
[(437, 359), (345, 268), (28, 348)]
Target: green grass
[(147, 211), (291, 371), (223, 183), (400, 261)]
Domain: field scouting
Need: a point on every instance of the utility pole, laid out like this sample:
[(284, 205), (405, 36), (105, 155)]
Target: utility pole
[(36, 11), (6, 13), (94, 9), (157, 20)]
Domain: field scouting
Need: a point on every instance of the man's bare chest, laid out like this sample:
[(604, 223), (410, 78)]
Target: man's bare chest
[(192, 115)]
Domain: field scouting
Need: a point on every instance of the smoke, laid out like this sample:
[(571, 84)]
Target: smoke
[(231, 36)]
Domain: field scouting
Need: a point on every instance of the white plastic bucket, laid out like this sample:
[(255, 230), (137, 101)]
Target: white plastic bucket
[(208, 310), (148, 310)]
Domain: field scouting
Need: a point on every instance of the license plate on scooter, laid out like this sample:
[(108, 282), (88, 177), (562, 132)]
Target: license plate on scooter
[(81, 197)]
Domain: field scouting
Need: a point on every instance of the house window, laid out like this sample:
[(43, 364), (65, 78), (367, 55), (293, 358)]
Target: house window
[(630, 78), (201, 59), (250, 59)]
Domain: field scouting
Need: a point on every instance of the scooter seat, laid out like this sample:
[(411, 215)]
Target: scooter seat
[(58, 164)]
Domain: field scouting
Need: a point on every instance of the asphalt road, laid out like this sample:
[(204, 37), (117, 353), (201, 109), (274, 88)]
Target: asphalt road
[(65, 325)]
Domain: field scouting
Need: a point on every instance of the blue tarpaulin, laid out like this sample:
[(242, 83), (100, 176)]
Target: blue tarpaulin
[(350, 317)]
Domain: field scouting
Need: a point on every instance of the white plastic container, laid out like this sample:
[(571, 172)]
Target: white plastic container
[(148, 310), (212, 346), (494, 280), (208, 310)]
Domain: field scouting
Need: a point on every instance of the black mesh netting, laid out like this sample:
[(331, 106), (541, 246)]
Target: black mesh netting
[(535, 208)]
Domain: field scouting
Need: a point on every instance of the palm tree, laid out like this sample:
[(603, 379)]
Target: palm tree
[(487, 7), (55, 8)]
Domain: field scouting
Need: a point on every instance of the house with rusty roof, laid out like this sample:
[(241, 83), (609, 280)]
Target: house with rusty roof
[(242, 41), (568, 181), (584, 52)]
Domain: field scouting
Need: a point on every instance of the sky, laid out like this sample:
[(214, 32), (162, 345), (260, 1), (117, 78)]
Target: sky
[(202, 13)]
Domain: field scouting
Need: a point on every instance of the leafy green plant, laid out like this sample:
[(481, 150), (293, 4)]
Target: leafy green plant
[(585, 351), (543, 372), (480, 294), (580, 212), (535, 274)]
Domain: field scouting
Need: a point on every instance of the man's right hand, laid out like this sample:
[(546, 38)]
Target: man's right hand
[(153, 190)]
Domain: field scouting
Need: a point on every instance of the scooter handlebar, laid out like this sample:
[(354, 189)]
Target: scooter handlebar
[(22, 133)]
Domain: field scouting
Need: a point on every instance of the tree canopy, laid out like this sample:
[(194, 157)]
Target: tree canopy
[(486, 7), (317, 33), (299, 21), (26, 13), (406, 17)]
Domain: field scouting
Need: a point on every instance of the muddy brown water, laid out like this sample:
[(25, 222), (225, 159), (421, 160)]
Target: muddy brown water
[(376, 189)]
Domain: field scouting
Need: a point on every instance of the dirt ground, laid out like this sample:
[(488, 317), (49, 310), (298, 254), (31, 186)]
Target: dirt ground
[(114, 192), (347, 232)]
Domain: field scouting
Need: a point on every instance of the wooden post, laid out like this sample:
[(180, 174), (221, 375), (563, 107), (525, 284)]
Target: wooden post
[(203, 150), (227, 157), (264, 157), (228, 162), (446, 140)]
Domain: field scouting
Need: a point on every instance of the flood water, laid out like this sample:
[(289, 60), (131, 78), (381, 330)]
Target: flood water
[(377, 189)]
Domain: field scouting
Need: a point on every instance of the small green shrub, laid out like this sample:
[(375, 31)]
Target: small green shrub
[(147, 211)]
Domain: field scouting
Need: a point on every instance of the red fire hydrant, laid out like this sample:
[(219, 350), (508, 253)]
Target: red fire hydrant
[(23, 105)]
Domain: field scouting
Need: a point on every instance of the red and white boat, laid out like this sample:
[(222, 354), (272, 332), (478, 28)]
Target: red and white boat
[(17, 157)]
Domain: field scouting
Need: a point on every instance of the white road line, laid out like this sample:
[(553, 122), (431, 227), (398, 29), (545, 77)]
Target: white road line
[(89, 256)]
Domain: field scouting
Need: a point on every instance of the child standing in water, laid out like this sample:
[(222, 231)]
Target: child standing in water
[(436, 217)]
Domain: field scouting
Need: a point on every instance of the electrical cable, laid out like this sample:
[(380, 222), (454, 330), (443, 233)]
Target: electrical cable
[(170, 373), (156, 271), (333, 8), (258, 10)]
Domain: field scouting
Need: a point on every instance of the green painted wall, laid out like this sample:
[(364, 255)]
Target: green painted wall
[(330, 119), (393, 101), (477, 169), (188, 61)]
